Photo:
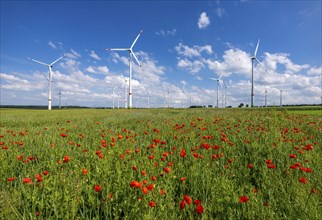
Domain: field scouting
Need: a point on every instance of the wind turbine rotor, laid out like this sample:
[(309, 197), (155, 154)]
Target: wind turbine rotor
[(136, 39), (256, 48), (119, 49), (56, 61), (136, 59), (42, 63)]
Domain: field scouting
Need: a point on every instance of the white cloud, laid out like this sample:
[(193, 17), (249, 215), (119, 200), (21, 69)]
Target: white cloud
[(52, 45), (166, 32), (99, 69), (203, 21), (94, 55), (220, 12), (187, 51), (192, 66), (315, 71), (272, 60), (73, 54)]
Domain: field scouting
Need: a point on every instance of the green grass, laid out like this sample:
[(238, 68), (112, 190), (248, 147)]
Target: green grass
[(219, 146)]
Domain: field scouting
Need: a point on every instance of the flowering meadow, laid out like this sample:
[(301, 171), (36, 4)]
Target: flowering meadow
[(160, 164)]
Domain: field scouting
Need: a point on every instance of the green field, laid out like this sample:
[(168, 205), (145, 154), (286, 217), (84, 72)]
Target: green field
[(160, 164)]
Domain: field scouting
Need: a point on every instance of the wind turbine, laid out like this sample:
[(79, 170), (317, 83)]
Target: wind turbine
[(149, 98), (217, 86), (130, 50), (183, 95), (59, 99), (281, 98), (50, 80), (265, 98), (225, 87), (255, 58), (125, 90)]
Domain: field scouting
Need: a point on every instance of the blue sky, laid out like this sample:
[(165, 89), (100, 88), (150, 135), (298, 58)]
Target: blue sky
[(183, 44)]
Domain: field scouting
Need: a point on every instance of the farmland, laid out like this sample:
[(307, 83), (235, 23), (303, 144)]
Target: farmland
[(160, 163)]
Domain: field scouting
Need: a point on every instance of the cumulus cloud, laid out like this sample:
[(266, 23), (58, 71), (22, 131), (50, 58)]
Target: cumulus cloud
[(315, 71), (94, 55), (163, 32), (187, 51), (72, 54), (272, 60), (192, 66), (203, 20), (98, 69)]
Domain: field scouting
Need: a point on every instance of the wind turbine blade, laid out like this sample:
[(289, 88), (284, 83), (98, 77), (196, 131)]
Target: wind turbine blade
[(136, 59), (56, 60), (136, 39), (40, 62), (256, 48), (118, 49), (261, 65), (220, 76), (224, 83), (213, 79), (221, 83)]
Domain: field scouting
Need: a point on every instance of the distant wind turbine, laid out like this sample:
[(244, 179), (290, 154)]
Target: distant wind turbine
[(225, 87), (50, 80), (255, 58), (217, 86), (130, 50)]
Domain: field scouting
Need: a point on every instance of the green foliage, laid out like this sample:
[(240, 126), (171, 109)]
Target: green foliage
[(271, 157)]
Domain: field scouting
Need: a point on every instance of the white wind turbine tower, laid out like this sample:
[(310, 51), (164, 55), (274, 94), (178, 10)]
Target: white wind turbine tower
[(50, 80), (125, 91), (130, 50), (183, 95), (254, 58), (217, 86), (225, 87), (149, 98)]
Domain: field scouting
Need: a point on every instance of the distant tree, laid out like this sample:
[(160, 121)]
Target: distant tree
[(247, 105), (241, 105)]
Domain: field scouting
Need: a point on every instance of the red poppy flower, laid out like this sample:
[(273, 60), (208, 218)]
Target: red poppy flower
[(182, 179), (84, 171), (143, 173), (63, 134), (187, 199), (243, 199), (183, 153), (153, 178), (271, 166), (182, 204), (27, 180), (10, 179), (167, 169), (39, 177), (151, 204), (46, 172), (292, 156), (150, 187), (145, 190), (199, 209), (197, 202), (97, 188), (66, 159), (268, 161), (303, 180), (250, 166), (135, 184)]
